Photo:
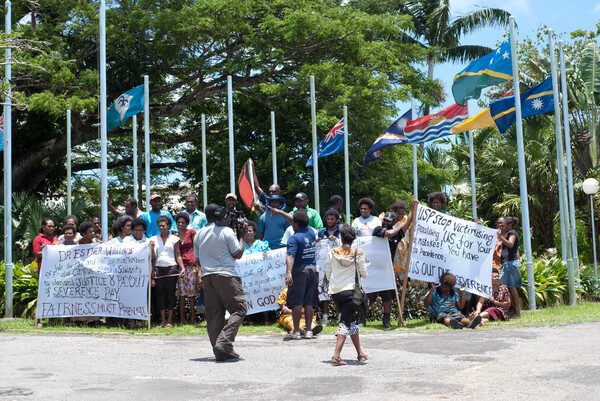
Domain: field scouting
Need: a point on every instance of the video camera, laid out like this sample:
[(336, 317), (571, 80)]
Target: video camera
[(230, 218)]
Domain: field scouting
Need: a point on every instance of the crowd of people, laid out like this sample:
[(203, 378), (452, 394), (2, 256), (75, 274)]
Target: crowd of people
[(192, 257)]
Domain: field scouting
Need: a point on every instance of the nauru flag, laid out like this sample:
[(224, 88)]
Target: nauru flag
[(435, 126)]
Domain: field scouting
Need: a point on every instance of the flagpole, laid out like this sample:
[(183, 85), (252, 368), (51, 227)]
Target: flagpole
[(135, 159), (274, 148), (562, 195), (522, 172), (414, 149), (204, 189), (472, 164), (313, 115), (8, 277), (571, 205), (147, 137), (346, 165), (230, 118), (103, 136), (69, 162)]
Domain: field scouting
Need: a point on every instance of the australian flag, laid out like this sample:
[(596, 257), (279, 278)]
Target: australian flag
[(333, 142), (393, 135)]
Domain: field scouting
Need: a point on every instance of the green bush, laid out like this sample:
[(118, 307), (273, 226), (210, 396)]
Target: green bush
[(25, 289), (589, 284)]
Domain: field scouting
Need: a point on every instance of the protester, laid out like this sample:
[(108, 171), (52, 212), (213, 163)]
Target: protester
[(272, 225), (68, 235), (230, 201), (123, 234), (88, 235), (265, 197), (188, 283), (97, 224), (365, 223), (285, 319), (70, 220), (301, 201), (197, 218), (301, 276), (344, 264), (336, 202), (130, 205), (216, 249), (444, 304), (399, 209), (496, 307), (394, 233), (45, 237), (138, 231), (152, 216), (437, 201), (167, 267), (511, 266), (331, 231), (251, 244)]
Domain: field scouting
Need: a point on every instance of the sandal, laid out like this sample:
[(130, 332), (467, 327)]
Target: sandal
[(337, 361), (362, 357)]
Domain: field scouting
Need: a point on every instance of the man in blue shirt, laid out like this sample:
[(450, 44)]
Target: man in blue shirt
[(301, 276), (272, 226), (151, 216), (332, 226), (197, 218)]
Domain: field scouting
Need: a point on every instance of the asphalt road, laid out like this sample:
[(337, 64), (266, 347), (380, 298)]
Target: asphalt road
[(549, 363)]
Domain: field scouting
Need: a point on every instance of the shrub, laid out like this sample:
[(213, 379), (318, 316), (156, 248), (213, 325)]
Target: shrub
[(25, 289), (589, 284)]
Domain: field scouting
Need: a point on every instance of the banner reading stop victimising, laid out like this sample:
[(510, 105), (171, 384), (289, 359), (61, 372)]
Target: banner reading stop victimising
[(94, 280), (444, 243)]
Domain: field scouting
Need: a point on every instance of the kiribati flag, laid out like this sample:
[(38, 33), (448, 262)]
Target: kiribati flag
[(393, 135), (333, 142), (436, 125)]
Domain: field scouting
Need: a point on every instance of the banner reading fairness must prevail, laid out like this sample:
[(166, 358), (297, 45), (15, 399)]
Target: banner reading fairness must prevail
[(444, 243), (94, 280)]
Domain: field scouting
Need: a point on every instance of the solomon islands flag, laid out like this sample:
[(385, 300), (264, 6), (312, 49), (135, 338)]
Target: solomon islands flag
[(434, 126), (393, 135), (491, 69), (538, 100), (128, 104), (333, 142)]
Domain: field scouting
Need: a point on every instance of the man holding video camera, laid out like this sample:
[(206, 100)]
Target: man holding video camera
[(216, 248)]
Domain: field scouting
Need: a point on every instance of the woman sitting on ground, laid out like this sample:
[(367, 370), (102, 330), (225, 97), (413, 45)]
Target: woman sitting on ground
[(496, 307), (343, 263), (444, 304)]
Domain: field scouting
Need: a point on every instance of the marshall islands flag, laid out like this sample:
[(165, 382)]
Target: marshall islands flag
[(491, 69), (436, 125), (393, 135)]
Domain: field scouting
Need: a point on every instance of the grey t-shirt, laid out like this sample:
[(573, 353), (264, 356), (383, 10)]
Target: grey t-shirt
[(215, 246)]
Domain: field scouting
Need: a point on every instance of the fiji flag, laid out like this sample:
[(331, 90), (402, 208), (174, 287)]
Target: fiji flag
[(333, 142), (434, 126), (393, 135), (128, 104), (538, 100)]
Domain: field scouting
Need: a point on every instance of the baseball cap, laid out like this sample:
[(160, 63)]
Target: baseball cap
[(301, 195), (230, 195), (154, 196), (391, 216)]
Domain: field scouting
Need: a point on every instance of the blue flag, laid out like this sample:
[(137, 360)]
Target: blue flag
[(393, 135), (128, 104), (491, 69), (536, 101), (333, 142), (2, 133)]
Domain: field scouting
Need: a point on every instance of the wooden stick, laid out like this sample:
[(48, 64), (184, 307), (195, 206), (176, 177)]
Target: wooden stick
[(409, 250), (149, 284)]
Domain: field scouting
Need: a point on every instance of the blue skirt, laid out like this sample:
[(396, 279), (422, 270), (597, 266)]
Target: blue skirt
[(510, 275)]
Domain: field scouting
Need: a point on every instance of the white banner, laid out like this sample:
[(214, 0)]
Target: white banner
[(94, 280), (263, 274), (444, 243)]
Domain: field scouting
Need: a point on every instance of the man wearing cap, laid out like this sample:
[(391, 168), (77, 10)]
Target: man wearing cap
[(153, 214), (272, 225), (230, 201), (394, 233), (314, 220), (197, 218)]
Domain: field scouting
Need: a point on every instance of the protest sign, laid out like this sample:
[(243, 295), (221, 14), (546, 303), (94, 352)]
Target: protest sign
[(263, 273), (444, 243), (94, 280)]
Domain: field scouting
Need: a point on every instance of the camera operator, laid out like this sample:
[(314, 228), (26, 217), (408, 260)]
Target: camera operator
[(216, 248)]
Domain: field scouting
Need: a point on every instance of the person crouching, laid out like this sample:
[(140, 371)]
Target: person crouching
[(444, 304)]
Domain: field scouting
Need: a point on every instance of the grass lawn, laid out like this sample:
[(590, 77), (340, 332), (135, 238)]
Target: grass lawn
[(583, 312)]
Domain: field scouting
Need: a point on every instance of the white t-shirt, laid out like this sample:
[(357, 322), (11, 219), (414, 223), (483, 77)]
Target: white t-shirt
[(289, 232), (165, 251), (365, 227)]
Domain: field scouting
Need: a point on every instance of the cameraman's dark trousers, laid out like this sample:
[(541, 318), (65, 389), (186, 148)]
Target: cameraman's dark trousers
[(222, 292)]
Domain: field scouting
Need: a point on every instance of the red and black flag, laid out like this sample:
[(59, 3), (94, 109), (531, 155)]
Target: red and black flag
[(246, 186)]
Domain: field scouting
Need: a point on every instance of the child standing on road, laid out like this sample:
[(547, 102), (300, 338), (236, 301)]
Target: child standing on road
[(444, 304)]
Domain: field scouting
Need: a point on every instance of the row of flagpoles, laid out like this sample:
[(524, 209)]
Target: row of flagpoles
[(502, 113)]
